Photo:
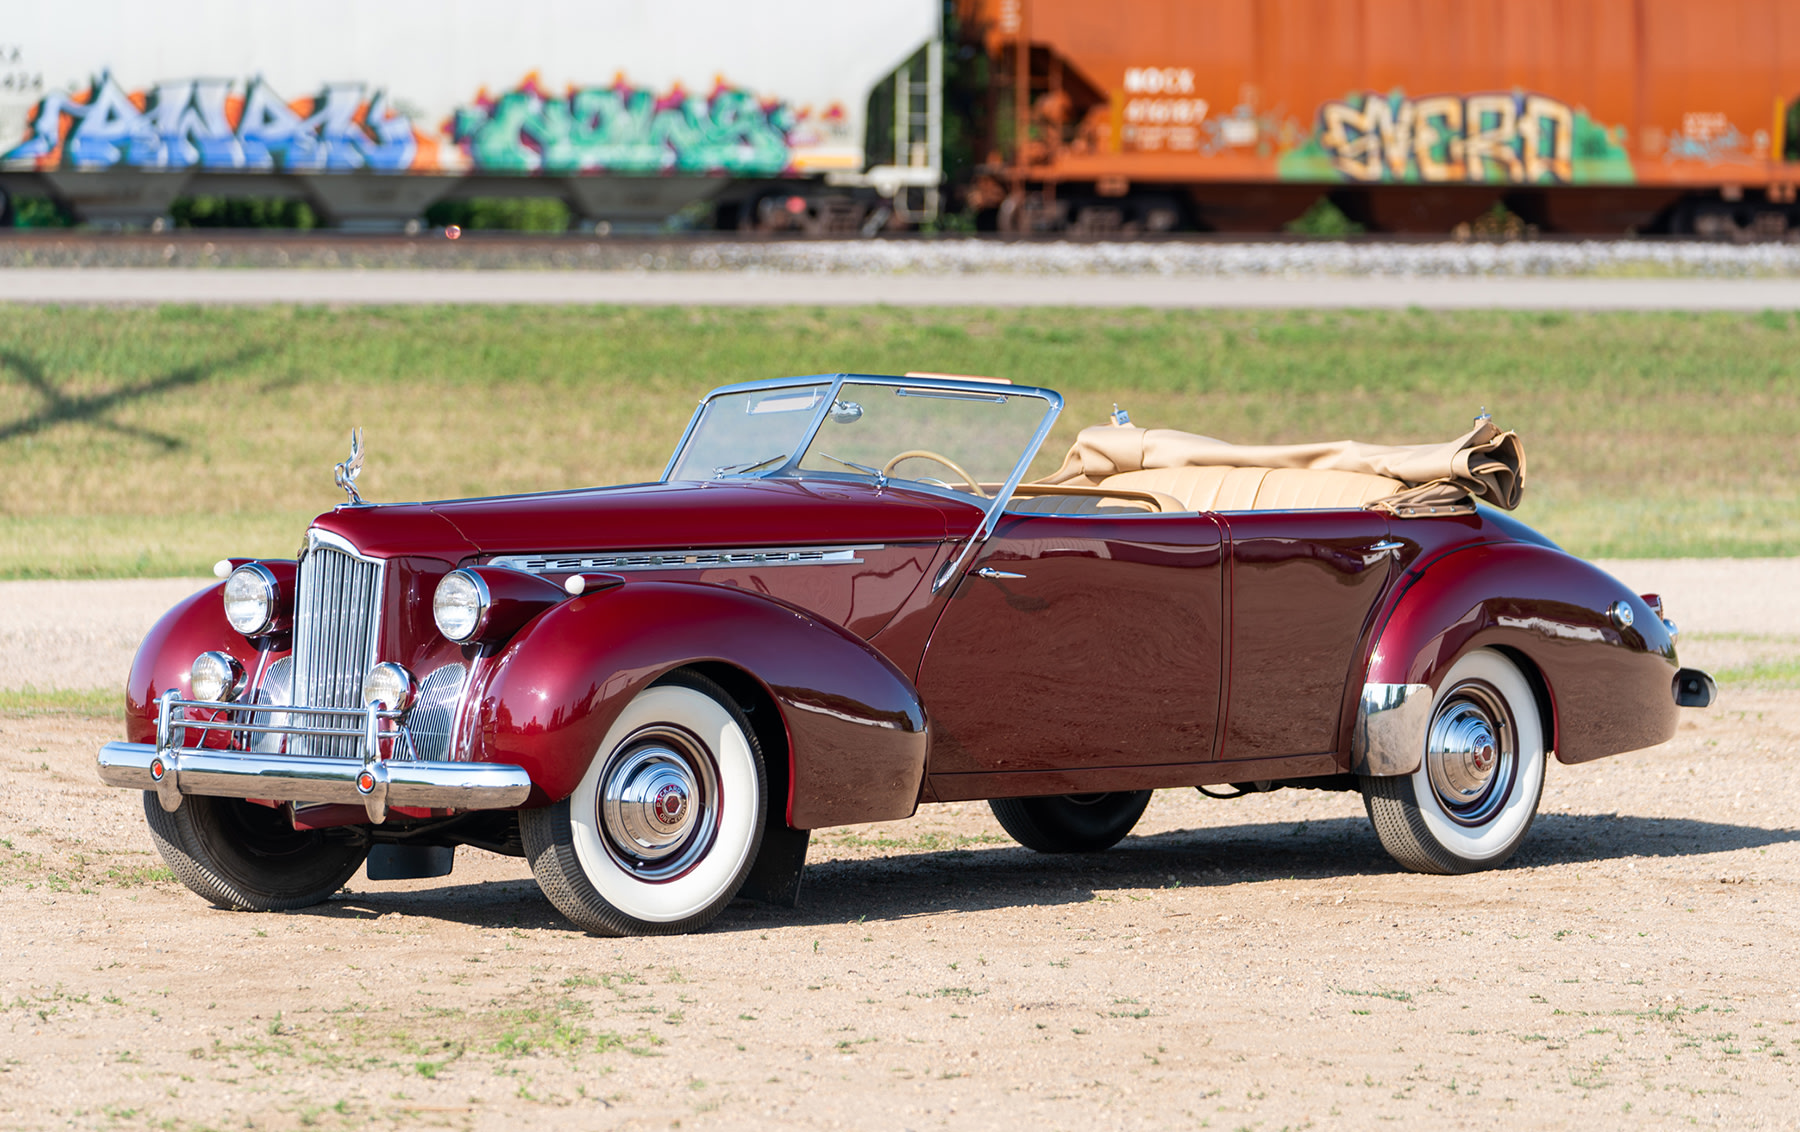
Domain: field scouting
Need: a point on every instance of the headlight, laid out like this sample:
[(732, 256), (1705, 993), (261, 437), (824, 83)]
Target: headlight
[(461, 605), (217, 676), (250, 595), (390, 684)]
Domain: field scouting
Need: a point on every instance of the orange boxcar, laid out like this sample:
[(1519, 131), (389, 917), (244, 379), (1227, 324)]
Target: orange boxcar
[(1411, 115)]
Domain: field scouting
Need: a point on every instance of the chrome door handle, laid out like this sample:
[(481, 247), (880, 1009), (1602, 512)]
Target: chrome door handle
[(1386, 544), (994, 575)]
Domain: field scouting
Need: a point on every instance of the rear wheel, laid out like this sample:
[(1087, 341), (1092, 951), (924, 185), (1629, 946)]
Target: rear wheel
[(238, 854), (662, 830), (1071, 823), (1473, 798)]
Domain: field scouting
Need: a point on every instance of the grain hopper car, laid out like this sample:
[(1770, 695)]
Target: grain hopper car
[(1580, 116)]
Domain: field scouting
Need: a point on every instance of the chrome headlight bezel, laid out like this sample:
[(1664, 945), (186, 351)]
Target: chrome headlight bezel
[(216, 677), (460, 606), (252, 588), (390, 684)]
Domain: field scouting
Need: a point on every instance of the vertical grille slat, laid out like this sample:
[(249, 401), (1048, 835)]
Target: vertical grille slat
[(337, 613)]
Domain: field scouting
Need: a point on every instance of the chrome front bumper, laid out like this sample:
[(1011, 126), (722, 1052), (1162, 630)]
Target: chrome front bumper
[(373, 782)]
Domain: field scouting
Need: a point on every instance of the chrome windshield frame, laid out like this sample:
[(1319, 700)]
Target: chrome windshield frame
[(836, 381)]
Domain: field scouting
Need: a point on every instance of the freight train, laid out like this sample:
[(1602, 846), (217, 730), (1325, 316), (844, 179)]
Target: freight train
[(1135, 116), (629, 111), (1579, 116)]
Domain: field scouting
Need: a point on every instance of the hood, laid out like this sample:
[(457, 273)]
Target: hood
[(656, 515)]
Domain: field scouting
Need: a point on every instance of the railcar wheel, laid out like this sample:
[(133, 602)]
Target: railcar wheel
[(1473, 798), (1071, 823), (662, 830), (238, 854)]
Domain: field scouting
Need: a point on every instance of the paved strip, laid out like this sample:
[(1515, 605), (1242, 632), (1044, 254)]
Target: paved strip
[(84, 634), (746, 288)]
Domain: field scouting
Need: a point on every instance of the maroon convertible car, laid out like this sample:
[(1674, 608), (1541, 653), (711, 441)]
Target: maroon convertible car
[(842, 599)]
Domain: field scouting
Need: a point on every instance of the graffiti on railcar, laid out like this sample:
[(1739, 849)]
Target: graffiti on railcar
[(216, 124), (1711, 137), (1506, 138), (626, 129)]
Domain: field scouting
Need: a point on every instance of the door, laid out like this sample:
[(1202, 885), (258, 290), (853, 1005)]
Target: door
[(1303, 586), (1079, 642)]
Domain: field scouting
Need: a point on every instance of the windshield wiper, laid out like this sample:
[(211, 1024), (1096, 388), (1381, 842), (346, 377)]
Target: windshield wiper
[(880, 476), (720, 473)]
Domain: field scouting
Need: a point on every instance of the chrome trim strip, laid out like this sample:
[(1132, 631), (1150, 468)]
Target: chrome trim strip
[(1391, 724), (685, 559), (239, 774), (317, 537)]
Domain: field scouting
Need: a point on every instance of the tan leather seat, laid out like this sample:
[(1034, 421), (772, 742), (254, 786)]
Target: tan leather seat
[(1199, 489), (1258, 489), (1296, 489), (1077, 505)]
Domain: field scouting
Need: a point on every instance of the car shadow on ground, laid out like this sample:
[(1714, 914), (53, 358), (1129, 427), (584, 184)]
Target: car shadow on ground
[(906, 885)]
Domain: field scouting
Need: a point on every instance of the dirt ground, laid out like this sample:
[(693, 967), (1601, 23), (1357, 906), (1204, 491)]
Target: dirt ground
[(1256, 963)]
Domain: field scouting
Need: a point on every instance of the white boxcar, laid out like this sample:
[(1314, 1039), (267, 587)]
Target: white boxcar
[(628, 109)]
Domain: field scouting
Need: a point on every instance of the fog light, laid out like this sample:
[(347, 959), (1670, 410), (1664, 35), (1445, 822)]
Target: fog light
[(216, 676), (390, 684)]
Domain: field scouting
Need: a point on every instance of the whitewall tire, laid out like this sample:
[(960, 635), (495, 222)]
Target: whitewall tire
[(1481, 776), (663, 828)]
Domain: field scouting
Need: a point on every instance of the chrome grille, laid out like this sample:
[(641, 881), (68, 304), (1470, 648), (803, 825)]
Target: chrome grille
[(337, 612), (434, 712), (277, 688)]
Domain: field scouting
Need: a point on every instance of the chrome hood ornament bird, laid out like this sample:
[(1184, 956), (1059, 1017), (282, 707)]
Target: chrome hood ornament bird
[(345, 473)]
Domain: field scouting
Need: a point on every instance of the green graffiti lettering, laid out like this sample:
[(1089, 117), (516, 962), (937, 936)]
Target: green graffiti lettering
[(622, 129)]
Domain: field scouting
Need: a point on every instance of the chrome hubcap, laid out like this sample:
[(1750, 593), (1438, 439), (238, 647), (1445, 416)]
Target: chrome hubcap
[(1471, 754), (658, 803)]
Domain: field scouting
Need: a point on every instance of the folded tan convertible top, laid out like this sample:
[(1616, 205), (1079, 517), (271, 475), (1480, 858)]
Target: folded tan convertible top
[(1484, 463)]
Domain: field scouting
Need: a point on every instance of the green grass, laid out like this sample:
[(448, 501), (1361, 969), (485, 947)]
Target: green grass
[(96, 703), (155, 440), (1783, 672)]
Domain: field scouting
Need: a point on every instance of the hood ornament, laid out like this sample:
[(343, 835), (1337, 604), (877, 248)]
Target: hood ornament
[(345, 473)]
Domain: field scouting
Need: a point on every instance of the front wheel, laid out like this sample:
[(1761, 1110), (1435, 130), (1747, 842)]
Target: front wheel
[(238, 854), (1473, 798), (664, 826), (1071, 823)]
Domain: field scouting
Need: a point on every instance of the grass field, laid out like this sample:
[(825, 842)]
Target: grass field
[(153, 441)]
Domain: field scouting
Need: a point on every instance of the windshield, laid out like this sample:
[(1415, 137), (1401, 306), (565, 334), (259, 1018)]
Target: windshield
[(967, 437)]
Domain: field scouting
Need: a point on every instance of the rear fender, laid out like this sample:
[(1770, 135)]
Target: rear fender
[(1606, 689), (856, 731)]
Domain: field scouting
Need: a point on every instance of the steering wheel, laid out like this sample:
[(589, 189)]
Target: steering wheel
[(924, 454)]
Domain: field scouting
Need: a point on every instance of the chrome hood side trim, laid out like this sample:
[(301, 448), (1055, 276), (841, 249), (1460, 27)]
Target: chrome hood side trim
[(673, 559)]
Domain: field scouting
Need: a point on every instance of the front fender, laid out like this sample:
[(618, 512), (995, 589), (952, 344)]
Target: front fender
[(857, 737), (164, 660), (1607, 689)]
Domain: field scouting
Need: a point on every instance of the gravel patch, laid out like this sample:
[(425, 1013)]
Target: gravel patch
[(80, 635), (954, 257), (1200, 257)]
